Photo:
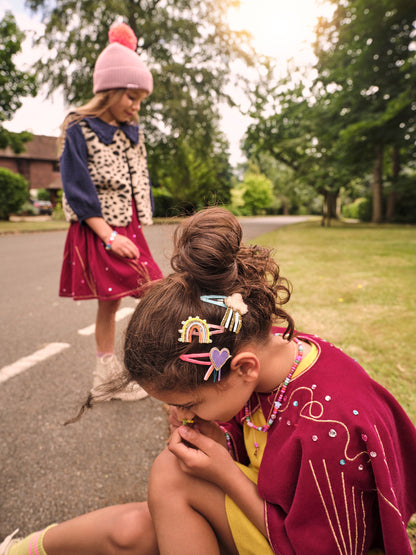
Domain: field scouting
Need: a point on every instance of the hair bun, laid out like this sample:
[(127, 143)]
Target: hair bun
[(123, 34), (206, 247)]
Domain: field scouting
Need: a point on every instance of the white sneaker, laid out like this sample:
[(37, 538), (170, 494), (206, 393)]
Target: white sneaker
[(8, 542), (107, 369)]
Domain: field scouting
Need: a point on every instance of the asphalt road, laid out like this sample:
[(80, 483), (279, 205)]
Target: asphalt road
[(50, 472)]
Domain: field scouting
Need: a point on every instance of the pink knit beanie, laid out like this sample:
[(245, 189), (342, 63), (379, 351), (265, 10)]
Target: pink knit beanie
[(118, 66)]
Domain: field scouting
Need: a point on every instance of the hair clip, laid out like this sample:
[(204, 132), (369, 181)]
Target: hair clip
[(217, 359), (235, 308), (194, 325)]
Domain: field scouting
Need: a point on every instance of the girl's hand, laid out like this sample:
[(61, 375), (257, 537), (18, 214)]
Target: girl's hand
[(208, 428), (173, 418), (201, 456), (124, 247)]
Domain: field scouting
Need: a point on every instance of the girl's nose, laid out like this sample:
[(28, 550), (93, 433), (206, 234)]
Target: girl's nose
[(185, 414)]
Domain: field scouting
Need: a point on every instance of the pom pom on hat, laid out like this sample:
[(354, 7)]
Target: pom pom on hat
[(123, 34), (119, 66)]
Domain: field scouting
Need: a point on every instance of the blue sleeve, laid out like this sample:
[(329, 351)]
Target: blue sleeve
[(78, 186)]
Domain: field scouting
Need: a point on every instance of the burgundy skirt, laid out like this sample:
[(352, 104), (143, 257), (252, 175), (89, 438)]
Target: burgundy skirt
[(91, 272)]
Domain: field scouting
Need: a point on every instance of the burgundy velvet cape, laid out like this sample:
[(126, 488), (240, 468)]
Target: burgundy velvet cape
[(338, 474)]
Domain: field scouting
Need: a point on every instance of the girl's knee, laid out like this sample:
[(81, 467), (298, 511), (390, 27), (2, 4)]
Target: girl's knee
[(132, 530), (165, 474)]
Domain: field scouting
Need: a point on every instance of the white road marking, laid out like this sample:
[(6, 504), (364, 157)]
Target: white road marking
[(26, 362), (122, 313), (51, 349)]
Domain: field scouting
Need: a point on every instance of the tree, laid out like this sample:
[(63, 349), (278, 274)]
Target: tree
[(197, 177), (367, 74), (189, 49), (297, 136), (14, 191), (14, 84)]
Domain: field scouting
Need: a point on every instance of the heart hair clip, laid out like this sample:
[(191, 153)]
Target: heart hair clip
[(217, 359)]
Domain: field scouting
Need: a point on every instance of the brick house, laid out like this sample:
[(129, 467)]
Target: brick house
[(39, 164)]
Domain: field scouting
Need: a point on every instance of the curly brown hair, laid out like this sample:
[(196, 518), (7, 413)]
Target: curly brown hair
[(208, 258)]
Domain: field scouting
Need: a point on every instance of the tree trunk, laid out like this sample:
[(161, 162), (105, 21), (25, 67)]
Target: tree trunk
[(391, 200), (329, 208), (378, 185)]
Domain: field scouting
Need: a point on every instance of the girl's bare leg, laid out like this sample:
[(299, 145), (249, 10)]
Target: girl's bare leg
[(188, 513), (119, 529), (105, 325)]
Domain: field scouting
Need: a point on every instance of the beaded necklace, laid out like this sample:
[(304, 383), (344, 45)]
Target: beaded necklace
[(278, 402)]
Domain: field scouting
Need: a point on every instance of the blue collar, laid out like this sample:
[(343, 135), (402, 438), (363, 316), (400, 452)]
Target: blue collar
[(105, 131)]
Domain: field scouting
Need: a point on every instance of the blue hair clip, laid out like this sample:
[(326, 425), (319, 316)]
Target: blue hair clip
[(214, 299)]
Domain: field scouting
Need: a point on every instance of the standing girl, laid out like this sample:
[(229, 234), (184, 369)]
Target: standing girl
[(312, 456), (107, 197)]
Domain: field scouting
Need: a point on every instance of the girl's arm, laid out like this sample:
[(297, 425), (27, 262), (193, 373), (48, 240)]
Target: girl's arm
[(208, 460), (78, 186)]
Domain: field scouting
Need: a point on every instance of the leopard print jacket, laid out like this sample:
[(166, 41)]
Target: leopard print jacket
[(118, 171)]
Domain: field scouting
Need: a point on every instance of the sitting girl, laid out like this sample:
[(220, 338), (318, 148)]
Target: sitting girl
[(280, 442)]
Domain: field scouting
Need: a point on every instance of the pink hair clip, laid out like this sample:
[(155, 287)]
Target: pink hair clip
[(217, 359)]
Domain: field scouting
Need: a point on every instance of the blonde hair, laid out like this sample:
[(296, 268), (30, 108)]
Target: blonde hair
[(94, 108)]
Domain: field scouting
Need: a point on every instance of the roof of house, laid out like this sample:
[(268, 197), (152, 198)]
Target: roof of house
[(41, 147)]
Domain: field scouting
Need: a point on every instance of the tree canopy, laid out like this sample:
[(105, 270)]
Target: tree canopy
[(366, 68), (14, 84)]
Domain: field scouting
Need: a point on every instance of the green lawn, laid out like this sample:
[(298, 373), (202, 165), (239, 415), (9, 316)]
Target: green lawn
[(36, 224), (354, 285)]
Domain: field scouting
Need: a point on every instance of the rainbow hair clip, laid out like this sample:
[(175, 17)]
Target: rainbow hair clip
[(235, 309), (217, 359), (195, 325)]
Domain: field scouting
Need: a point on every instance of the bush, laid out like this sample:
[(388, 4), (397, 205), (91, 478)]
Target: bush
[(14, 191), (165, 205), (360, 209), (43, 194)]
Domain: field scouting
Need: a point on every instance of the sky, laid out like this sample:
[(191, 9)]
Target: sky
[(281, 29)]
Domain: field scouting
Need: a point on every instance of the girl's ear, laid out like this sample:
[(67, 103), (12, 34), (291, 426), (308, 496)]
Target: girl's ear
[(247, 365)]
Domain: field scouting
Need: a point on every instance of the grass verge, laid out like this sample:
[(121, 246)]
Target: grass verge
[(31, 225)]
